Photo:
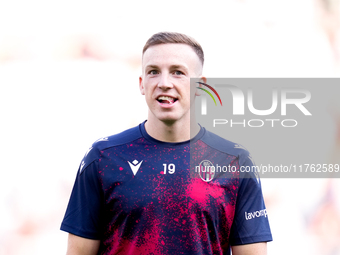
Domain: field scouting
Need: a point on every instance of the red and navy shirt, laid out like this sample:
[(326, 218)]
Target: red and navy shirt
[(139, 195)]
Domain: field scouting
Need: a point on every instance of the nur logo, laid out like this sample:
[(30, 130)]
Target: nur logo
[(213, 90)]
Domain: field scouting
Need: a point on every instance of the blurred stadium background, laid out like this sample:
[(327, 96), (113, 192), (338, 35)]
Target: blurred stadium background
[(69, 75)]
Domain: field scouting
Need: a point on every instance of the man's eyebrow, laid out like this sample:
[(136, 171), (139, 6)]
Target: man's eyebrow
[(178, 67), (171, 67), (151, 66)]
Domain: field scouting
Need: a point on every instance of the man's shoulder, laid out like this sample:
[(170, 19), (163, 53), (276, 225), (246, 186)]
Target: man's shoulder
[(240, 153), (121, 138), (94, 152), (219, 143)]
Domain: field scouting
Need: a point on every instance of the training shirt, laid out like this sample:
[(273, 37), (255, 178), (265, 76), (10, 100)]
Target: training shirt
[(139, 195)]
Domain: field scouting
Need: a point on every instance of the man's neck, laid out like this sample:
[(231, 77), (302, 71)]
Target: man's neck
[(172, 132)]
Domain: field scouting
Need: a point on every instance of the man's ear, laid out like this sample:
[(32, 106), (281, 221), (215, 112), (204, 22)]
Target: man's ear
[(141, 85), (199, 91)]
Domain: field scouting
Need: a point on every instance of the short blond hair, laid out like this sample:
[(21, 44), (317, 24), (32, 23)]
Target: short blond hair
[(173, 37)]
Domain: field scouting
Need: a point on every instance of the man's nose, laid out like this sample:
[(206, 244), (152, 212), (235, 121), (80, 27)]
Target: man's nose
[(165, 82)]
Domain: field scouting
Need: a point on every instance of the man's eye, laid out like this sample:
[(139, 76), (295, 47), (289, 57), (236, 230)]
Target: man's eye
[(178, 73), (153, 72)]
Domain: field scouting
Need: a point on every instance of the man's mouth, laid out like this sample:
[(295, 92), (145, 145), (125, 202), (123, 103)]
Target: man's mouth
[(166, 100)]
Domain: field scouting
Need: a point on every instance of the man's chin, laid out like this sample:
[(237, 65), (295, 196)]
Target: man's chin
[(169, 120)]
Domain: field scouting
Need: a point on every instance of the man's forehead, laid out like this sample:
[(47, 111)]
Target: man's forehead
[(169, 46), (174, 54)]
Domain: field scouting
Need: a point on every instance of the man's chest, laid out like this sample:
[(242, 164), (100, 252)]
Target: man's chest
[(161, 180)]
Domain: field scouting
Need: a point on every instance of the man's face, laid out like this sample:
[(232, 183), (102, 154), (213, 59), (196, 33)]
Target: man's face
[(165, 82)]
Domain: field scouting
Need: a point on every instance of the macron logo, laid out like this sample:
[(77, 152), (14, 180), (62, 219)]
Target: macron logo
[(135, 166)]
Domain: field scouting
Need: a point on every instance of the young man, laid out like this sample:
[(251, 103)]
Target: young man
[(134, 193)]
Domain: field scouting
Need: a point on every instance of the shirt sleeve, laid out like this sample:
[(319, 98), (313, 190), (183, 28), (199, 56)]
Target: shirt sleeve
[(251, 223), (84, 211)]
